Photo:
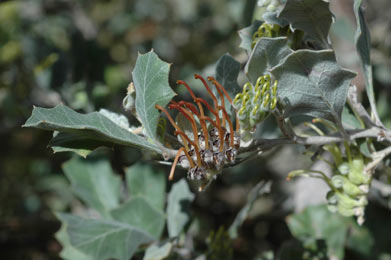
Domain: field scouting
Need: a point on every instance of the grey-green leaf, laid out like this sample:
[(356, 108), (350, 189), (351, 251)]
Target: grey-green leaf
[(319, 223), (311, 16), (267, 53), (363, 46), (178, 204), (138, 212), (103, 239), (272, 18), (158, 251), (142, 180), (68, 252), (246, 35), (93, 126), (312, 83), (259, 189), (227, 71), (95, 183), (150, 78)]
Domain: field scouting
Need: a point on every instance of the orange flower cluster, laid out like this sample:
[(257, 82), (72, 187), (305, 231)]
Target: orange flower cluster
[(212, 145)]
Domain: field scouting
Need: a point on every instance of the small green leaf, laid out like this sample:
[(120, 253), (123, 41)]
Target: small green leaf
[(312, 83), (259, 189), (158, 252), (363, 46), (94, 183), (178, 205), (142, 180), (150, 78), (267, 53), (246, 35), (349, 121), (93, 126), (103, 239), (311, 16), (137, 212)]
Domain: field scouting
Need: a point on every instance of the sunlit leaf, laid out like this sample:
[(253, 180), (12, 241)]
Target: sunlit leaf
[(95, 183), (150, 78), (93, 126), (179, 200), (312, 83), (158, 252)]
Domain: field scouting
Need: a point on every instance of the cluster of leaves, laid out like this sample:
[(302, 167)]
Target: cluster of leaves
[(121, 217)]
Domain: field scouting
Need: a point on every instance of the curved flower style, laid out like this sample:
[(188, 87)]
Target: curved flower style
[(212, 145)]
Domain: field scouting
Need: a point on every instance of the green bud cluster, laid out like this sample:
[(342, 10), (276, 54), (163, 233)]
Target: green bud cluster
[(350, 186), (255, 103), (266, 30)]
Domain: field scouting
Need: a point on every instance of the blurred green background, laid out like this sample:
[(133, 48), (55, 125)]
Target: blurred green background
[(81, 53)]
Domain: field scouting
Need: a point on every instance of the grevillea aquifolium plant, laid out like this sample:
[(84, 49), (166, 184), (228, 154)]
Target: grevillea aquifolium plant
[(290, 78)]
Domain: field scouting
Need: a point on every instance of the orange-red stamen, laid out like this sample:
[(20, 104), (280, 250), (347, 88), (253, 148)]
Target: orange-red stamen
[(178, 154), (218, 85)]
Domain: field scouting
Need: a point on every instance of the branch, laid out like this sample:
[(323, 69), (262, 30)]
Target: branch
[(265, 144)]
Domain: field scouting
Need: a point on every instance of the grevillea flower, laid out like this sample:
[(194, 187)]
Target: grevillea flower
[(213, 143)]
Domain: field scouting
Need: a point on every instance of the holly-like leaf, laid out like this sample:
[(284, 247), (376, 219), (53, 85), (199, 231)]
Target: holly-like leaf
[(312, 83), (138, 212), (94, 183), (150, 78), (142, 180), (311, 16), (363, 46), (246, 34), (267, 53), (179, 200), (92, 126), (103, 239)]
